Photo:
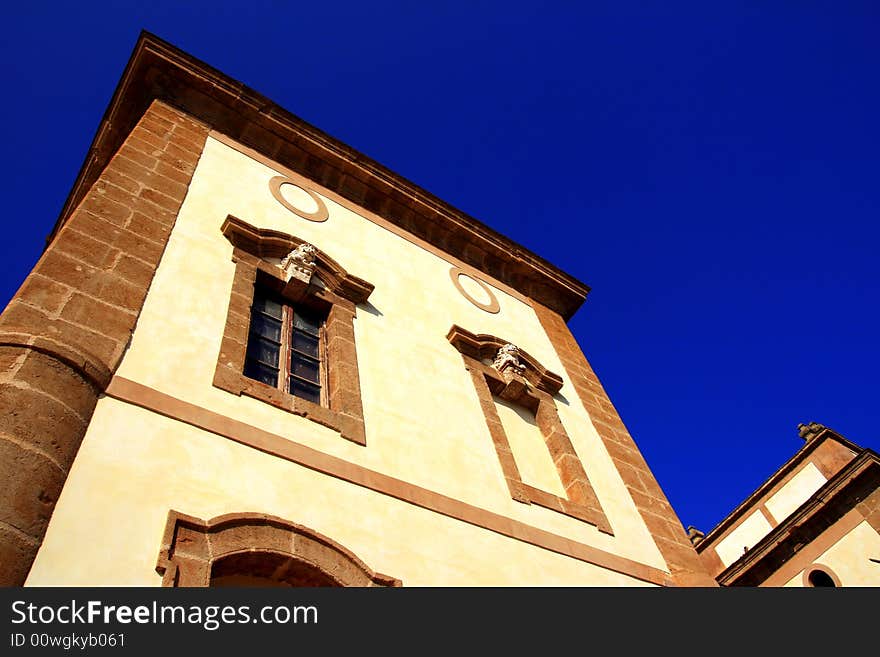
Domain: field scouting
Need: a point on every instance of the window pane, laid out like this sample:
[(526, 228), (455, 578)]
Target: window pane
[(266, 327), (267, 305), (305, 390), (305, 343), (260, 372), (306, 322), (263, 351), (306, 368)]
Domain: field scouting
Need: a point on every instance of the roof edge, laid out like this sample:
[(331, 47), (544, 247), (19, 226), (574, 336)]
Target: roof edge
[(793, 461), (157, 70)]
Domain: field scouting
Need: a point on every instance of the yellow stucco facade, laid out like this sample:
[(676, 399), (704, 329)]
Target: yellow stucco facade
[(423, 420)]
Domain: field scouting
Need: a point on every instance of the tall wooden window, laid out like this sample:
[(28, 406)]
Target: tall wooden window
[(285, 347), (290, 341)]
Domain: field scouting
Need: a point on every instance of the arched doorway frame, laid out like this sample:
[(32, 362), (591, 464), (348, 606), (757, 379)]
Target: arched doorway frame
[(190, 546)]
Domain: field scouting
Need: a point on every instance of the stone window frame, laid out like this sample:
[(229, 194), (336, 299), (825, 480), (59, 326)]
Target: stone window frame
[(534, 389), (191, 546), (336, 294)]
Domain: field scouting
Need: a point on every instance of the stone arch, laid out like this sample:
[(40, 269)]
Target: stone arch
[(258, 548)]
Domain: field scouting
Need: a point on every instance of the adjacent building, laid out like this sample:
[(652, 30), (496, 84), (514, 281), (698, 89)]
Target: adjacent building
[(813, 522)]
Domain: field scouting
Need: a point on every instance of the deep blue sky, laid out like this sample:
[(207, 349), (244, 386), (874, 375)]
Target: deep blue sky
[(709, 169)]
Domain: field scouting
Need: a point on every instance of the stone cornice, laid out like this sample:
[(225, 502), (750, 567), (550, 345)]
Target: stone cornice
[(158, 70)]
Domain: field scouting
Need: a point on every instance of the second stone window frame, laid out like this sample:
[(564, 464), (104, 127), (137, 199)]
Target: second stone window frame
[(504, 374)]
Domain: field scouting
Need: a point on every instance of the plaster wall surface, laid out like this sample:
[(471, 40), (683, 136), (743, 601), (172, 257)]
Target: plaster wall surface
[(750, 531), (795, 492), (135, 465), (424, 424)]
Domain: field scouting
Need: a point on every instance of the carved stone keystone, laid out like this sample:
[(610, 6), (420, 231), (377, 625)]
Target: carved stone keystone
[(507, 361), (300, 263)]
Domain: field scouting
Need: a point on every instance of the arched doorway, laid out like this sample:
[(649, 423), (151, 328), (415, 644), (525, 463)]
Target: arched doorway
[(266, 569)]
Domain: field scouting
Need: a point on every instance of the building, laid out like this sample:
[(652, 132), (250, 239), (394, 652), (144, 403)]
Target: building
[(251, 355), (813, 522)]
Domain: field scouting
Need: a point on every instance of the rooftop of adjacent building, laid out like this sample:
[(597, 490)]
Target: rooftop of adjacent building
[(826, 478)]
